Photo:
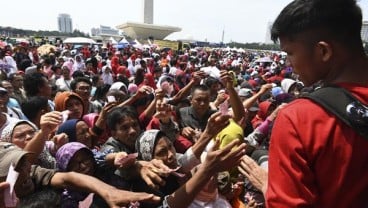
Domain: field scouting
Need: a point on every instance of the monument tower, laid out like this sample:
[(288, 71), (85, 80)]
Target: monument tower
[(147, 11), (147, 29)]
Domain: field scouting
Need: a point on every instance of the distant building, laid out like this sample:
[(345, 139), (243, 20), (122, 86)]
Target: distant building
[(65, 23), (364, 31), (147, 11), (104, 31)]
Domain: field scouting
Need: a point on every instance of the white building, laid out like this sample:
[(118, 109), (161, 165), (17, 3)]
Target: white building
[(364, 31), (104, 31), (65, 23)]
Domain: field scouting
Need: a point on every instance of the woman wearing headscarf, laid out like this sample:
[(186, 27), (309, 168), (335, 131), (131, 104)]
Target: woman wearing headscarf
[(26, 135), (69, 101), (79, 64)]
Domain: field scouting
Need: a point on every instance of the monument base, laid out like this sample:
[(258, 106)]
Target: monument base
[(145, 31)]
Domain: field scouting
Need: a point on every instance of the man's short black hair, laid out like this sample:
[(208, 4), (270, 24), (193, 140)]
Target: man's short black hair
[(199, 87), (115, 116), (32, 106), (73, 84), (32, 83), (338, 19)]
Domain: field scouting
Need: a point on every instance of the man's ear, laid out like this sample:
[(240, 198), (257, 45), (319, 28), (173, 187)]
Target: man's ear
[(324, 51)]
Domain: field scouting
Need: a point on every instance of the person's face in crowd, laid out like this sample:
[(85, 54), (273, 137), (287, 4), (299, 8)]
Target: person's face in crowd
[(304, 59), (215, 87), (66, 73), (22, 134), (4, 99), (82, 162), (61, 61), (24, 185), (8, 86), (165, 151), (45, 88), (200, 101), (78, 59), (294, 91), (83, 89), (89, 66), (127, 131), (17, 82), (157, 74), (83, 135), (75, 107), (213, 62)]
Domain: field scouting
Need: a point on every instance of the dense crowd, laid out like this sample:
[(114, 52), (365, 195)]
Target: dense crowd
[(101, 126)]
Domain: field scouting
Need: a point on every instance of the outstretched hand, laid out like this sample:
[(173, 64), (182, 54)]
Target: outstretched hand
[(118, 198), (255, 174), (218, 160), (216, 123), (153, 172)]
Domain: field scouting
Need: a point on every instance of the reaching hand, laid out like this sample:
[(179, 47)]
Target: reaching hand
[(106, 109), (265, 88), (60, 140), (117, 198), (152, 172), (123, 160), (227, 79), (50, 121), (188, 132), (255, 174), (216, 123), (218, 160), (144, 91)]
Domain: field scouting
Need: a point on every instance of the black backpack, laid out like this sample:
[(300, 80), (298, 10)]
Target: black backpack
[(344, 105)]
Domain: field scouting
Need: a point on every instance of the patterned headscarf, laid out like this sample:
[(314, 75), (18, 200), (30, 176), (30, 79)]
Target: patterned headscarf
[(145, 144), (7, 133)]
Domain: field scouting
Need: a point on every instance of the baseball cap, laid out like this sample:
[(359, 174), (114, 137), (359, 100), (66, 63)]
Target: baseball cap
[(3, 89), (244, 92), (9, 154), (254, 108)]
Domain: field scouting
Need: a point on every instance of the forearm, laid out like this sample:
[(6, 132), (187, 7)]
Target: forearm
[(201, 144), (184, 196), (36, 145), (81, 182), (150, 110), (236, 104), (250, 101), (184, 92), (129, 101)]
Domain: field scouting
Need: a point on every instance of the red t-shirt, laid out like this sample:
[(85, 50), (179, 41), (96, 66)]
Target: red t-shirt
[(315, 160)]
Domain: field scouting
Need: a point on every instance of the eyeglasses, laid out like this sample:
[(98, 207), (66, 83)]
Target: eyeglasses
[(84, 89)]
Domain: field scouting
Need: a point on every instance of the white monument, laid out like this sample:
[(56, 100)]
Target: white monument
[(147, 11), (147, 29)]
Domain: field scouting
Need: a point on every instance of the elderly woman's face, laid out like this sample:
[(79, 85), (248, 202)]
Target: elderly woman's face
[(22, 134)]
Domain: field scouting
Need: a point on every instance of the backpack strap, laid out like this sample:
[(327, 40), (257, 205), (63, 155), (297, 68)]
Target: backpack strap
[(343, 105)]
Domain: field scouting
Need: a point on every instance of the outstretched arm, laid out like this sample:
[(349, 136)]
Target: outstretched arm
[(113, 196)]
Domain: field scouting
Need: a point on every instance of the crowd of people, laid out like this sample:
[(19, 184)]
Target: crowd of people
[(149, 127)]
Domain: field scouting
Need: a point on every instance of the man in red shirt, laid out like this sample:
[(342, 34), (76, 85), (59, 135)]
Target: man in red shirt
[(316, 160)]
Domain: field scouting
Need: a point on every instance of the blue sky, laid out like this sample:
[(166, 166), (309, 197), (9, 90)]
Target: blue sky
[(242, 20)]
